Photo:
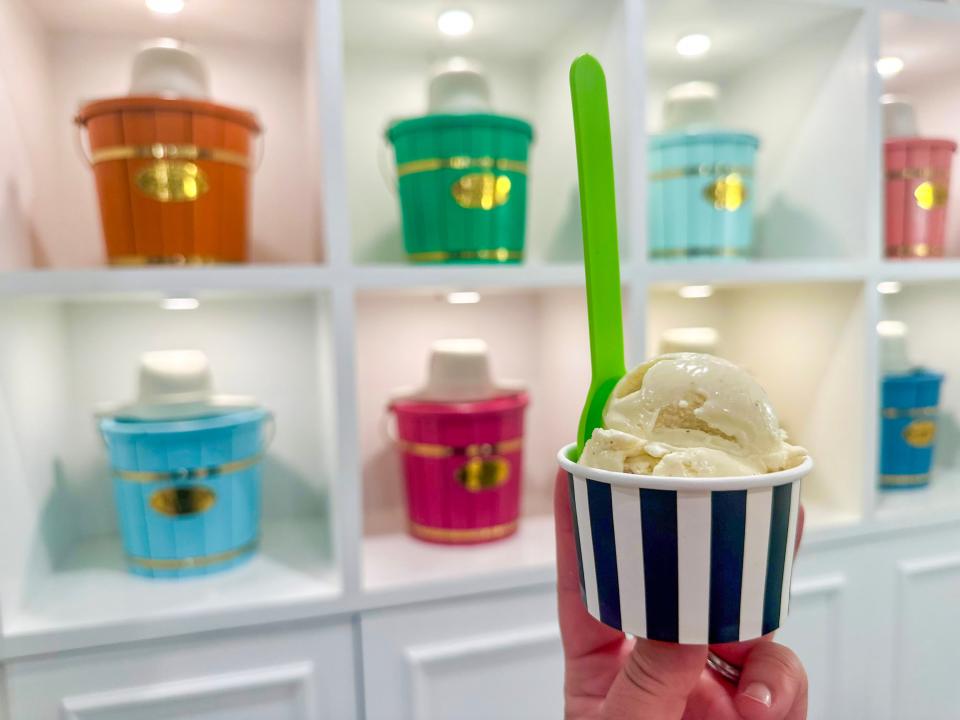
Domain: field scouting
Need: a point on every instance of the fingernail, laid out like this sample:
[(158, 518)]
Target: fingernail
[(760, 693)]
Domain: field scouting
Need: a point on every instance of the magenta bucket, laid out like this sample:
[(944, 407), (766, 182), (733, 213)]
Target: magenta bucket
[(462, 467)]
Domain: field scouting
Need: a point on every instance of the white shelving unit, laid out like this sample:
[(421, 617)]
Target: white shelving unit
[(328, 320)]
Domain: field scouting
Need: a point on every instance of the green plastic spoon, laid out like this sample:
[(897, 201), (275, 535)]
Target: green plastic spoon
[(601, 258)]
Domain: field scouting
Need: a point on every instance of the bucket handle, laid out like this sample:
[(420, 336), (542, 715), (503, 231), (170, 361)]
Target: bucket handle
[(388, 170), (81, 147), (388, 428), (269, 431), (87, 155)]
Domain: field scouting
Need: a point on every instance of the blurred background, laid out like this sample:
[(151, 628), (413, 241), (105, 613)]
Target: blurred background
[(351, 230)]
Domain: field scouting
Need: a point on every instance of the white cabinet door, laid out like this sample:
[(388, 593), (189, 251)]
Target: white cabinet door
[(494, 656), (272, 673)]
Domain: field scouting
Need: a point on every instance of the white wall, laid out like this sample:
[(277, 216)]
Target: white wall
[(27, 160), (37, 526)]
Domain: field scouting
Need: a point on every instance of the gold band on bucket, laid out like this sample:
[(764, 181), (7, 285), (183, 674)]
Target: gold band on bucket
[(905, 479), (496, 254), (159, 151), (136, 260), (184, 474), (462, 534), (915, 173), (460, 162), (893, 413), (196, 561), (431, 450), (699, 252), (918, 250), (705, 170)]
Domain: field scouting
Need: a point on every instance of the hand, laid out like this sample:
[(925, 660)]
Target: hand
[(611, 677)]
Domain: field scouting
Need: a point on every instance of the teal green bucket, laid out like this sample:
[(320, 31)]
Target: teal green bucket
[(463, 187), (701, 195)]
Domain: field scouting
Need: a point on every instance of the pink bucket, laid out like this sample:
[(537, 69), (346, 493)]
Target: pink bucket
[(918, 181), (462, 466)]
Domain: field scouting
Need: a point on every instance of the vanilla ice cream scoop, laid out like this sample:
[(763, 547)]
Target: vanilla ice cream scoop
[(690, 415)]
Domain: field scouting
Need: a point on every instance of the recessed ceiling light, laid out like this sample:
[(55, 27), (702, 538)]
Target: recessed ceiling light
[(455, 23), (889, 66), (166, 7), (180, 303), (691, 292), (889, 287), (891, 328), (693, 45), (463, 297)]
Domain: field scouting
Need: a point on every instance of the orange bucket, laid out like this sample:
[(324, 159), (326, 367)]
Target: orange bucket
[(173, 177)]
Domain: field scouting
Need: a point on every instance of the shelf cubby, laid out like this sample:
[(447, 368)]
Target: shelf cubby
[(794, 74), (59, 58), (63, 572), (806, 344), (525, 53), (923, 307)]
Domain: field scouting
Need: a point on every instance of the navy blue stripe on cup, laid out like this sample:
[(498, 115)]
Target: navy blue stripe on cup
[(576, 536), (604, 552), (728, 524), (658, 519), (776, 557)]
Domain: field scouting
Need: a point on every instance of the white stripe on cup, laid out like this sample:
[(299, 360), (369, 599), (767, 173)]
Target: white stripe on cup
[(628, 535), (756, 543), (693, 555), (586, 546), (791, 546)]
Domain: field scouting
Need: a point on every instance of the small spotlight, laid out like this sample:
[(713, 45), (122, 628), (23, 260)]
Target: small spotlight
[(691, 292), (463, 297), (693, 45), (889, 66), (180, 303), (166, 7), (891, 328), (455, 23), (889, 287)]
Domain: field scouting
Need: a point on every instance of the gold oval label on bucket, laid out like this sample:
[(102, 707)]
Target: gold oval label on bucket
[(920, 433), (727, 192), (483, 191), (480, 473), (930, 195), (172, 181), (177, 501)]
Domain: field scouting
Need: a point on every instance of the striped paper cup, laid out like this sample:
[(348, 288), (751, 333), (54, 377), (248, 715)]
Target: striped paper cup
[(685, 560)]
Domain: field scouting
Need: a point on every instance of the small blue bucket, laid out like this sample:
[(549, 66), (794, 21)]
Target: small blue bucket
[(701, 195), (908, 428), (188, 491)]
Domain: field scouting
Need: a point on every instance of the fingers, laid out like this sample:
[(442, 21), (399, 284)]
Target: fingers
[(773, 685), (655, 681), (801, 519), (581, 633)]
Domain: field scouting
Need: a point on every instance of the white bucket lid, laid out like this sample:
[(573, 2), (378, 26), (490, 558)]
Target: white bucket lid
[(899, 117), (459, 371), (458, 85), (691, 104), (168, 68), (176, 385)]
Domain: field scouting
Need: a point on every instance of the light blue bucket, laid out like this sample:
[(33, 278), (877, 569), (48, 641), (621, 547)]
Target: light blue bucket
[(701, 195), (188, 491)]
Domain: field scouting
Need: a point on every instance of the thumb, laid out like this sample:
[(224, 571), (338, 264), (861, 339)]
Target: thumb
[(655, 681)]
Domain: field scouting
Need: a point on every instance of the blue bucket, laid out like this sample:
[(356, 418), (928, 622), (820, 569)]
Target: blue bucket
[(908, 428), (188, 491), (701, 195)]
